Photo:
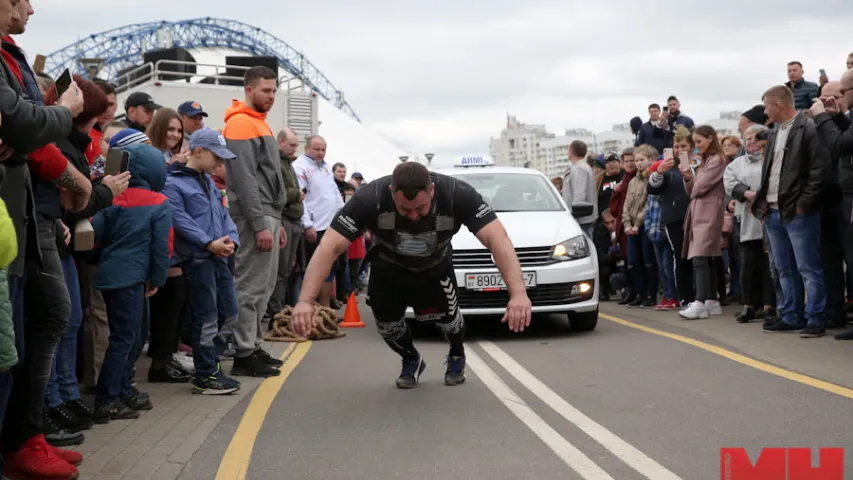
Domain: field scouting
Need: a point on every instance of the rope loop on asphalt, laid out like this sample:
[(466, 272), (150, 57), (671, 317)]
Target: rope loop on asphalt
[(325, 326)]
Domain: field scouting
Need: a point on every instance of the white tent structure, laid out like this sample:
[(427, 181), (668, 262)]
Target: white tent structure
[(356, 145)]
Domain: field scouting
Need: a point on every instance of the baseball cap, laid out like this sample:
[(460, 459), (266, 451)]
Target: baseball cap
[(611, 157), (141, 99), (191, 109), (210, 139), (128, 136), (357, 175)]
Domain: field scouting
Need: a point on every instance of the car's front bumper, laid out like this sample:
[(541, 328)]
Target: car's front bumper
[(557, 291)]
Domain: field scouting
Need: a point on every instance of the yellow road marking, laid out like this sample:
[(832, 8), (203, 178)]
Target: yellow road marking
[(235, 462), (742, 359)]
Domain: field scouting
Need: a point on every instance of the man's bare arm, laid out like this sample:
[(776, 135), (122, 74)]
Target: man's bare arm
[(73, 181), (494, 237), (331, 246)]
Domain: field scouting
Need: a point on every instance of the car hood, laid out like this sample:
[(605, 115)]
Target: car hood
[(526, 229)]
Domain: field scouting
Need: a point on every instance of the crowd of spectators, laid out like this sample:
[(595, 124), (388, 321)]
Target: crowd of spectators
[(691, 220), (182, 255)]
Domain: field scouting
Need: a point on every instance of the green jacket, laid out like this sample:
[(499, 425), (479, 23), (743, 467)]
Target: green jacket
[(8, 252), (8, 351), (293, 207)]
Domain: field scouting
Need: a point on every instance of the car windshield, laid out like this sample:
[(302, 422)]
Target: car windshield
[(515, 192)]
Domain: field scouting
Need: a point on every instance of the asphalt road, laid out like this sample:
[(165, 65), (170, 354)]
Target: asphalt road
[(617, 403)]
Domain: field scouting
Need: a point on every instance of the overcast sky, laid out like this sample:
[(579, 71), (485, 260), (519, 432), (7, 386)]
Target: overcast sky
[(440, 76)]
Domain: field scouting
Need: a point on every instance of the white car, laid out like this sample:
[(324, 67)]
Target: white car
[(559, 262)]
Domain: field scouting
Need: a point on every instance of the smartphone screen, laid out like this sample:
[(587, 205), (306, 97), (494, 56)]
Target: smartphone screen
[(63, 82), (117, 162), (822, 72)]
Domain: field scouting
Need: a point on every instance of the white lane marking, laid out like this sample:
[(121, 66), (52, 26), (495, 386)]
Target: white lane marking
[(567, 452), (623, 450)]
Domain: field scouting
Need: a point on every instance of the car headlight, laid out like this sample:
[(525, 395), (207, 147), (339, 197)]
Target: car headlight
[(572, 249)]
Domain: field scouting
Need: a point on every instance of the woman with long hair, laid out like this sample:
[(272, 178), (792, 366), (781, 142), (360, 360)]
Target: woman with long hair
[(168, 305), (167, 135), (704, 220)]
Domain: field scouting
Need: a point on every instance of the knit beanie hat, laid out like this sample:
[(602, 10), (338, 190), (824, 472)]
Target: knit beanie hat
[(756, 115), (128, 136)]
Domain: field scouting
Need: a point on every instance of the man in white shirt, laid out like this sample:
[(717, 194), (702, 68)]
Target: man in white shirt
[(322, 201)]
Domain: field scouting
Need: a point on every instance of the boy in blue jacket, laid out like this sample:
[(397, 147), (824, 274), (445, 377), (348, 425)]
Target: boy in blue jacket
[(133, 239), (205, 238)]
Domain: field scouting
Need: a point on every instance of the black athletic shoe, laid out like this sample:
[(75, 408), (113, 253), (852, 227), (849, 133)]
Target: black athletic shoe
[(267, 359), (138, 401), (455, 373), (115, 410), (412, 371), (68, 421), (252, 366), (56, 436), (79, 408)]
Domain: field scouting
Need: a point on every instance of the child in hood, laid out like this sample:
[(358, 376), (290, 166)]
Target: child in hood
[(133, 240)]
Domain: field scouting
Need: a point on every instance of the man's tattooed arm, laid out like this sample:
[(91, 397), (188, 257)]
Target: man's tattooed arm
[(71, 179), (72, 182)]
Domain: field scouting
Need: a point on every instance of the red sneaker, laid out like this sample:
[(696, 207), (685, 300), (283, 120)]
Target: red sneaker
[(36, 459), (70, 456), (666, 305)]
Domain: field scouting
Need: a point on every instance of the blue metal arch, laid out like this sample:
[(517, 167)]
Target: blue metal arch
[(123, 47)]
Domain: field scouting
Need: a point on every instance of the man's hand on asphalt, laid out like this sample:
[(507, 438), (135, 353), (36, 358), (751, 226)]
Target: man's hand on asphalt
[(263, 240), (302, 320), (518, 312)]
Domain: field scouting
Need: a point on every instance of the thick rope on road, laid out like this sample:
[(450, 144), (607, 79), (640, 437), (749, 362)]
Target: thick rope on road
[(325, 326)]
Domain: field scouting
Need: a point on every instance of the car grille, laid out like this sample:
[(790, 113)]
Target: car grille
[(540, 296), (529, 257)]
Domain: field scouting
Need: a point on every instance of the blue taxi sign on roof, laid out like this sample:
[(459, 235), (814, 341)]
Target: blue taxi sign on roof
[(475, 161)]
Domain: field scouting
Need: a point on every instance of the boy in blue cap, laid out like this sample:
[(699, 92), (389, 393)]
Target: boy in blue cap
[(205, 238), (133, 240)]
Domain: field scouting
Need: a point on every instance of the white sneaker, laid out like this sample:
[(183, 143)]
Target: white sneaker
[(185, 361), (693, 311), (713, 307)]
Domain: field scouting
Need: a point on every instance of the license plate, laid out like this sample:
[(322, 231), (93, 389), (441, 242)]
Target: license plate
[(489, 282)]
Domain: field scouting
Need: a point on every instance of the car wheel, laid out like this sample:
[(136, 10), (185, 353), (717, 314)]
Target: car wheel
[(583, 321)]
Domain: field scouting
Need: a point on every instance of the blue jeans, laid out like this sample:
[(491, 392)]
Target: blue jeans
[(124, 313), (62, 386), (642, 266), (213, 302), (796, 253), (666, 264)]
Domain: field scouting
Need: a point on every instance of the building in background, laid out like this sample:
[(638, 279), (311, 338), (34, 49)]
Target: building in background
[(726, 124), (554, 153), (518, 144), (521, 144)]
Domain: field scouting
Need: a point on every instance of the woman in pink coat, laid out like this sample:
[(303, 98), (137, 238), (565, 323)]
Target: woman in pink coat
[(704, 221)]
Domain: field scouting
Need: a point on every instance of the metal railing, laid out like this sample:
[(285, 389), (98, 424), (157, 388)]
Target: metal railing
[(155, 72)]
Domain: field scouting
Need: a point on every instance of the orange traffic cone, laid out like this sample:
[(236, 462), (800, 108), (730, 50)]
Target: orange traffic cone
[(352, 319)]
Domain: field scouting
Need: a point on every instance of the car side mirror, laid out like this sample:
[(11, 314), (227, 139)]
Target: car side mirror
[(582, 209)]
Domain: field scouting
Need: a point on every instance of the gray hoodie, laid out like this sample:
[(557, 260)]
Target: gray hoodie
[(579, 186)]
